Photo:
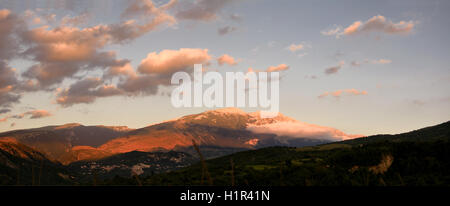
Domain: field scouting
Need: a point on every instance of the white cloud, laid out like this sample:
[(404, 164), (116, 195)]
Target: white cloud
[(302, 130)]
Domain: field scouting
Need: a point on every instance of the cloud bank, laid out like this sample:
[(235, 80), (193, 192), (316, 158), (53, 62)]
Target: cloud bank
[(302, 130)]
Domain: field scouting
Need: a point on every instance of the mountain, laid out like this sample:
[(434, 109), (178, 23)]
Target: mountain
[(228, 128), (22, 165), (416, 158), (60, 142), (219, 132)]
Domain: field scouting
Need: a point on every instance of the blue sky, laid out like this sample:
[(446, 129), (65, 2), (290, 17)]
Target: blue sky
[(401, 77)]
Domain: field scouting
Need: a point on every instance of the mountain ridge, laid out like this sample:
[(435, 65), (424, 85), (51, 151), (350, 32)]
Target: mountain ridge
[(225, 127)]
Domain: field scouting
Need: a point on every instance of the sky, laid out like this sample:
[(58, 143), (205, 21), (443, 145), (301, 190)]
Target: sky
[(363, 67)]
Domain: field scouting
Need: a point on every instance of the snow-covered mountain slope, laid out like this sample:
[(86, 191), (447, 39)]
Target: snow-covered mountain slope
[(221, 128), (229, 127)]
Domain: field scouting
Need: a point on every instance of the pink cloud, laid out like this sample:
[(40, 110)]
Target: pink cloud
[(296, 47), (125, 70), (352, 28), (226, 59), (67, 48), (34, 114), (169, 61), (280, 67), (375, 24), (63, 51), (37, 114), (339, 93)]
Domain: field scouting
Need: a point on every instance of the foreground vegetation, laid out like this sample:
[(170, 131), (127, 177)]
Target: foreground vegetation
[(416, 158)]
